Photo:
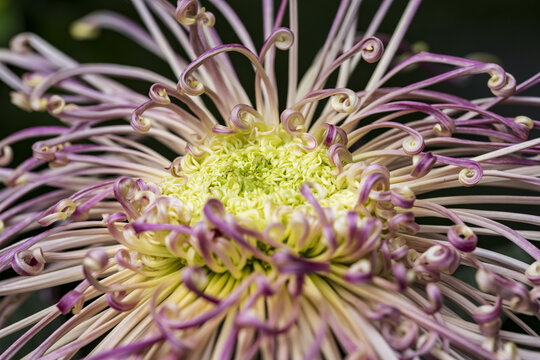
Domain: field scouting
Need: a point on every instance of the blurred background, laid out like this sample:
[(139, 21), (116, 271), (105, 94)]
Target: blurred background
[(491, 30)]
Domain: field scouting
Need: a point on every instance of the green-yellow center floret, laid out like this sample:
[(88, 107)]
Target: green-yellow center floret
[(254, 172)]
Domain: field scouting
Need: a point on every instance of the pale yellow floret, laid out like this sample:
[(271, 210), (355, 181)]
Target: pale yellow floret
[(248, 172)]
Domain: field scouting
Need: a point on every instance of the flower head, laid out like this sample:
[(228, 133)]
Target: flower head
[(310, 228)]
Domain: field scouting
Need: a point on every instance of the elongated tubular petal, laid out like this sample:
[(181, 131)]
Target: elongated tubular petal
[(521, 130), (198, 89), (40, 148), (343, 100), (281, 38), (400, 336), (121, 351), (372, 176), (125, 260), (435, 298), (73, 300), (28, 262), (305, 190), (331, 134), (327, 52), (144, 156), (359, 272), (247, 319), (410, 311), (469, 70), (203, 115), (25, 167), (158, 37), (104, 69), (96, 160), (235, 22), (223, 305), (427, 57), (411, 147), (287, 263), (166, 12), (404, 221), (31, 62), (508, 150), (27, 134), (371, 30), (7, 257), (91, 23), (142, 124), (269, 24), (36, 203), (82, 209), (397, 36), (349, 35), (319, 335), (338, 154), (21, 42), (96, 260), (142, 227), (221, 74), (192, 279), (459, 235), (445, 125), (214, 211), (16, 346), (124, 189), (114, 299), (470, 175), (371, 49), (292, 79), (293, 121), (503, 230), (244, 117)]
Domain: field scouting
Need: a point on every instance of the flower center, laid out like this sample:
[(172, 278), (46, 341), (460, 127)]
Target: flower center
[(254, 173)]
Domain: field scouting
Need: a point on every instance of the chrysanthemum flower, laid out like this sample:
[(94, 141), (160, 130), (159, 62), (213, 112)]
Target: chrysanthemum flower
[(308, 228)]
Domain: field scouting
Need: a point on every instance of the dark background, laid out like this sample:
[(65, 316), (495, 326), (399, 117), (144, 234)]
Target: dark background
[(503, 31)]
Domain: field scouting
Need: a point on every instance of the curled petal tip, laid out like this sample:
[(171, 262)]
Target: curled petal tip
[(186, 12), (462, 238), (412, 145), (533, 273), (346, 102), (140, 123), (284, 38), (470, 176), (158, 94), (243, 117), (56, 105), (19, 43), (206, 18), (293, 121), (502, 85), (29, 262), (372, 49), (190, 85)]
